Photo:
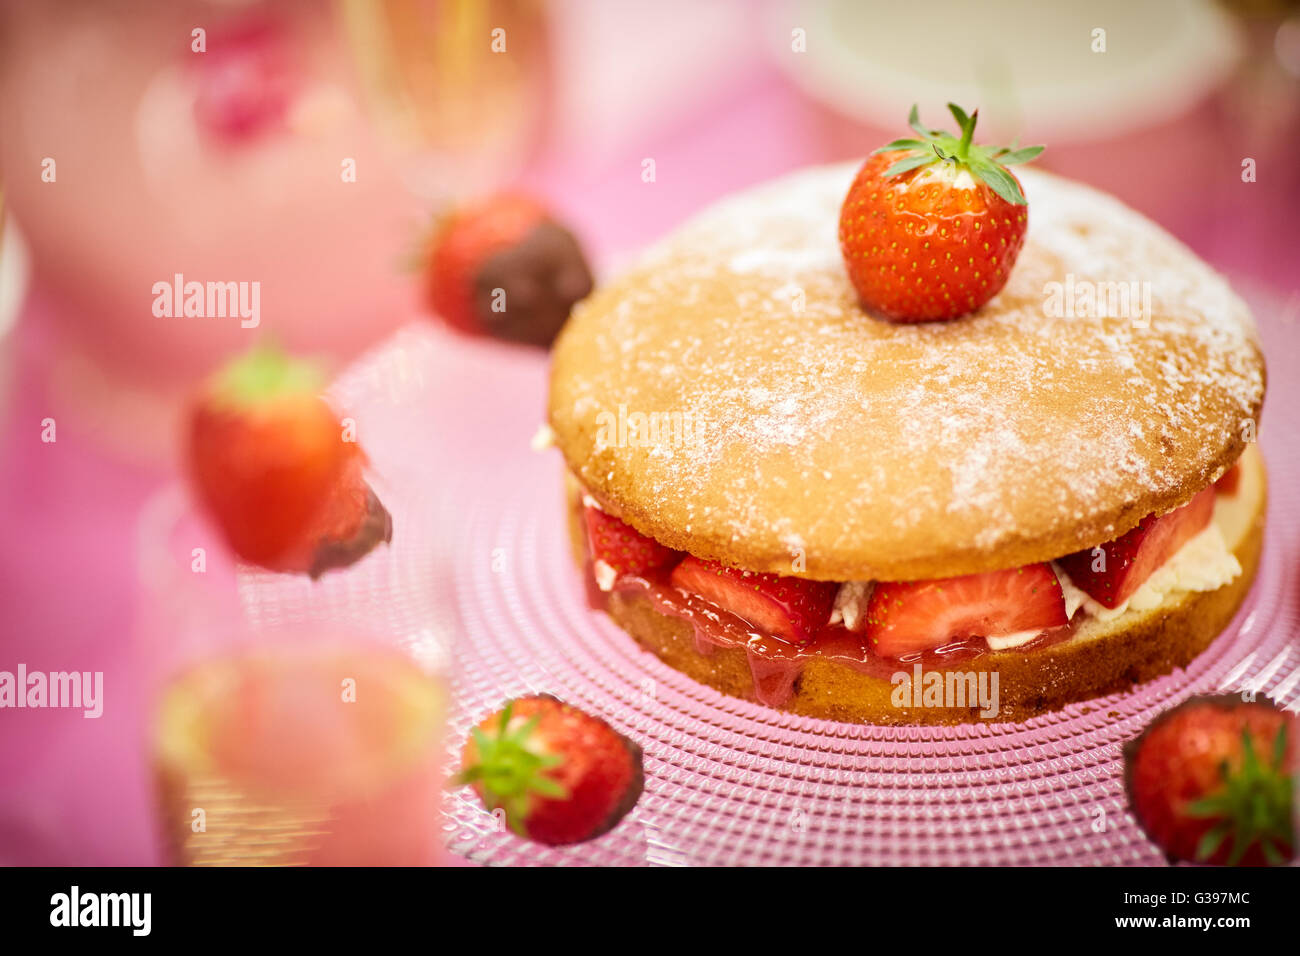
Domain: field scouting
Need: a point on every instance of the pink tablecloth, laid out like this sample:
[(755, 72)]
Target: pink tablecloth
[(75, 791)]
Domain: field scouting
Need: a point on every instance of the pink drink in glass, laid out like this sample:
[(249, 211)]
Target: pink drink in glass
[(295, 739), (319, 754)]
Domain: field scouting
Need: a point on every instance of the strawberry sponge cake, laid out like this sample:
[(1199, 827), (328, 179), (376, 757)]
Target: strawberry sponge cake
[(798, 495)]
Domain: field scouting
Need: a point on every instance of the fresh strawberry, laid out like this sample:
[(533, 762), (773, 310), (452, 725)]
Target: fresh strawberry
[(931, 226), (1211, 781), (1229, 481), (268, 459), (559, 774), (793, 609), (1112, 576), (621, 546), (503, 267), (905, 617)]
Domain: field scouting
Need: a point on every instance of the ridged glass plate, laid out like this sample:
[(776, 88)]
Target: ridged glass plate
[(480, 576)]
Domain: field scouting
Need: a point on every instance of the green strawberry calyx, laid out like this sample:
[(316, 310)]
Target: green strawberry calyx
[(265, 373), (511, 769), (1253, 807), (986, 163)]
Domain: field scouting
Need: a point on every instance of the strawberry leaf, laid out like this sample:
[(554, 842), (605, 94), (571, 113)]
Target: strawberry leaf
[(987, 163), (901, 144), (914, 121), (1272, 854), (999, 180), (1207, 807), (510, 768), (1253, 804), (1019, 156), (263, 374), (1212, 840), (909, 163), (549, 788), (959, 115)]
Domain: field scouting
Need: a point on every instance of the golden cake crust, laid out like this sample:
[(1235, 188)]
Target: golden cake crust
[(728, 397), (1100, 658)]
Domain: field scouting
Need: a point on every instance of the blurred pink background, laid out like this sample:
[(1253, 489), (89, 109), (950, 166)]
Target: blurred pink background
[(717, 94)]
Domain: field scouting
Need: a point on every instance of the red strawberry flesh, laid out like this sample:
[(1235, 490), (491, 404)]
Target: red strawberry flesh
[(351, 524), (907, 617), (1131, 559), (621, 546), (1229, 481), (468, 237), (793, 609), (265, 452)]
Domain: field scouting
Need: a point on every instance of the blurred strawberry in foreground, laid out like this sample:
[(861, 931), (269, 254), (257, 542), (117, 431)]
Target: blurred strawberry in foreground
[(270, 461), (503, 267), (1212, 781), (559, 774), (932, 224)]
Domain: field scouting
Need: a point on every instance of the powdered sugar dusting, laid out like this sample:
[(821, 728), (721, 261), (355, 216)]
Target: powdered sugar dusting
[(821, 422)]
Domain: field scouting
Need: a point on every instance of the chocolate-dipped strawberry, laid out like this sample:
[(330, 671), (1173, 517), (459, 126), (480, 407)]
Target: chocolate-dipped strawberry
[(503, 267), (271, 462)]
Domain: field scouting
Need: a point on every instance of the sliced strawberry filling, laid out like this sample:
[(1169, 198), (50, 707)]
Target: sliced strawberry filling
[(1112, 572), (622, 547), (794, 609), (904, 617), (1229, 480), (907, 617)]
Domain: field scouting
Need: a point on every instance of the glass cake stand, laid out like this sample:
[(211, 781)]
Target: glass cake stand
[(480, 570)]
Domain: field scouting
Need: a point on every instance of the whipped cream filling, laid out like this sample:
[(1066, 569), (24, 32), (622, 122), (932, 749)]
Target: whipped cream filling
[(1204, 563), (851, 604), (606, 576), (1004, 642)]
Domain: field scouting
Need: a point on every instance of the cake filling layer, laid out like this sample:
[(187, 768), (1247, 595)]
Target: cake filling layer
[(1202, 564), (1204, 561)]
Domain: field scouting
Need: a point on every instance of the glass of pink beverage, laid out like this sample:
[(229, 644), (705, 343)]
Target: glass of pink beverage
[(284, 741), (316, 754)]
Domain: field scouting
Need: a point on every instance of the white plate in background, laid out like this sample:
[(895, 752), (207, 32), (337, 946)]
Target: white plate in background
[(1030, 64)]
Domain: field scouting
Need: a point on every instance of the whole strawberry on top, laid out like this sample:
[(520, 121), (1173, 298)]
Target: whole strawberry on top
[(272, 463), (502, 266), (1212, 781), (932, 225), (559, 774)]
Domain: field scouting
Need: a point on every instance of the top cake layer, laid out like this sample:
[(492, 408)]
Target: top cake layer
[(729, 397)]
